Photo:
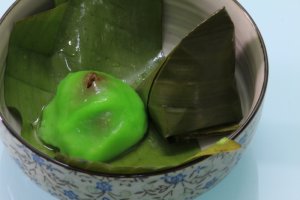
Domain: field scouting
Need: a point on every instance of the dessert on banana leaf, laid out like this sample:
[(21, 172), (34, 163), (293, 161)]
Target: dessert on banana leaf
[(189, 94), (93, 116)]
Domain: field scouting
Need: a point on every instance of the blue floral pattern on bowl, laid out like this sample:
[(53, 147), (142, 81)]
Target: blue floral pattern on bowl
[(182, 184)]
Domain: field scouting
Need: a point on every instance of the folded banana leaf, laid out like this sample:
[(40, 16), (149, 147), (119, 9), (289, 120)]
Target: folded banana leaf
[(123, 40), (195, 88)]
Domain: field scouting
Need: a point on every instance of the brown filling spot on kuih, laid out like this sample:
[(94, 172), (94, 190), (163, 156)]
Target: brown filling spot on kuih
[(91, 78)]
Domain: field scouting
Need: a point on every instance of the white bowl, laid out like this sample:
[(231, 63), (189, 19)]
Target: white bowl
[(183, 182)]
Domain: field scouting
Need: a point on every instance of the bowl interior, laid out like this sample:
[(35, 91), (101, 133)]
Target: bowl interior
[(180, 17)]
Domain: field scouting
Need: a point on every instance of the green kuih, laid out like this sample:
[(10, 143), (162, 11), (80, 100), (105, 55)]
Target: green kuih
[(93, 116)]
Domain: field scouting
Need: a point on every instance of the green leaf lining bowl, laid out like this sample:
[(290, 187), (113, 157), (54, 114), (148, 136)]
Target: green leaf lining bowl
[(186, 181)]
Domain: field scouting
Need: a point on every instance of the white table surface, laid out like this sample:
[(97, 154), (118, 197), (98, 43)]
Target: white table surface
[(270, 168)]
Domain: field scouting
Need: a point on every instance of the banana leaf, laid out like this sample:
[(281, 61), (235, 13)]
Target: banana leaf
[(58, 2), (30, 80), (123, 40), (161, 154), (42, 35), (195, 89)]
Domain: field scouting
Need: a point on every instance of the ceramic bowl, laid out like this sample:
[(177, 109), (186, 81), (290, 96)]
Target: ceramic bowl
[(183, 182)]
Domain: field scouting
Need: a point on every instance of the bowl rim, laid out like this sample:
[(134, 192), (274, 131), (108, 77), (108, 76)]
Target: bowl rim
[(233, 136)]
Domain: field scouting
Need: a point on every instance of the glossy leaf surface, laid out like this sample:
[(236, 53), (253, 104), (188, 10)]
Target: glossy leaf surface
[(195, 89)]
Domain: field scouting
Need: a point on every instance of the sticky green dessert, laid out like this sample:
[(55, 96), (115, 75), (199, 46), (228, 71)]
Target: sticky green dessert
[(93, 116)]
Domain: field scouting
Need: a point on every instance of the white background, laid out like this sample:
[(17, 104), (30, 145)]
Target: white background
[(270, 168)]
